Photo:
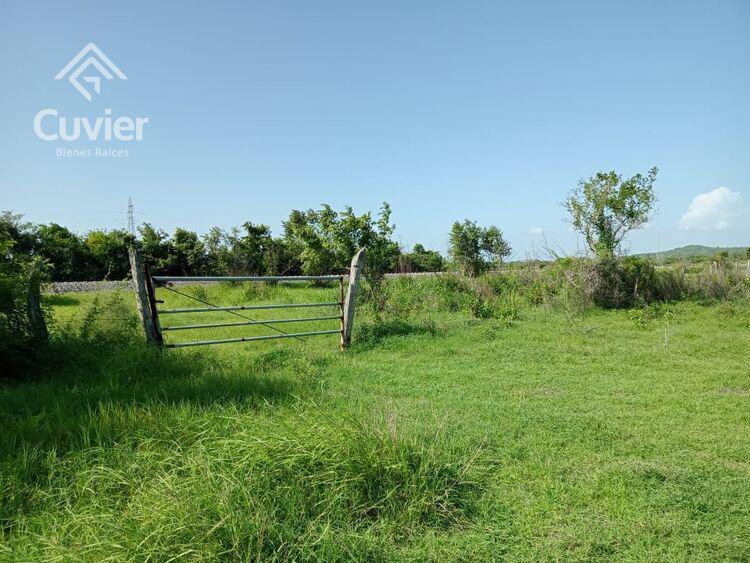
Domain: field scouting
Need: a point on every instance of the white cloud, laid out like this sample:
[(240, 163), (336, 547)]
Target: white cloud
[(716, 210), (536, 231)]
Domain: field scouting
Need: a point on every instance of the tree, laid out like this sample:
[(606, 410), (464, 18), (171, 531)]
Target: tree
[(328, 239), (475, 249), (187, 254), (218, 246), (605, 208), (155, 247), (281, 258), (18, 236), (109, 250), (252, 252), (251, 247), (421, 260), (382, 251), (69, 259), (311, 231)]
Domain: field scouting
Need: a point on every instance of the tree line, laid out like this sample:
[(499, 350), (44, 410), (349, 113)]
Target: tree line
[(315, 241), (604, 208)]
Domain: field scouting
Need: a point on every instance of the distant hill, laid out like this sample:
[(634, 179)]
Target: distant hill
[(693, 251)]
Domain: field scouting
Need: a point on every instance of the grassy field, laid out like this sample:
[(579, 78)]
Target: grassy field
[(438, 436)]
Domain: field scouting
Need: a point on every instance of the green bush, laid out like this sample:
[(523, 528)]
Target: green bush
[(719, 284), (615, 285), (406, 296), (506, 308), (20, 346), (574, 285), (16, 345), (646, 315)]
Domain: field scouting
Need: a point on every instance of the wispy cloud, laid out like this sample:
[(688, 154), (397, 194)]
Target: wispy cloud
[(536, 231), (717, 210)]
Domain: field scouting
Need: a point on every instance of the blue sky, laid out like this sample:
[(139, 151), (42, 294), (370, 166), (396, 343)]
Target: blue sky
[(448, 110)]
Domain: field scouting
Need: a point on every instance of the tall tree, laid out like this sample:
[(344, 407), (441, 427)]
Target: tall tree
[(605, 208), (251, 247), (69, 259), (19, 235), (187, 253), (155, 246), (329, 239), (110, 252), (218, 244)]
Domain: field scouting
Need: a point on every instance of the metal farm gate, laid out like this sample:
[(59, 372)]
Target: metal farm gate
[(145, 290)]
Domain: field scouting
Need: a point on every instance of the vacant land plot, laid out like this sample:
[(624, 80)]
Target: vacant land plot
[(537, 436)]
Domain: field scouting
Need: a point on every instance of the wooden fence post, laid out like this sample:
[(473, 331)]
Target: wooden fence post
[(34, 307), (351, 295), (144, 298)]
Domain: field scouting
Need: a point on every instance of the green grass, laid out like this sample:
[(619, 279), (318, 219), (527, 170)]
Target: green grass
[(438, 436)]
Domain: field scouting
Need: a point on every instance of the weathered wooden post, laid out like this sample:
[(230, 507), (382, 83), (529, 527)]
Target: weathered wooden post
[(351, 295), (34, 306), (144, 298)]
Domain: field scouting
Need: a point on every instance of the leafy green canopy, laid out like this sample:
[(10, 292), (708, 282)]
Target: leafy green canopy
[(328, 239), (421, 260), (314, 242), (605, 208), (19, 339), (476, 249), (109, 252)]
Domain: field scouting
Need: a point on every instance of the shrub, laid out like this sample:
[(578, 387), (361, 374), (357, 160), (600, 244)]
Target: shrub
[(719, 284), (475, 249), (645, 315), (417, 296), (506, 307), (20, 340), (571, 284)]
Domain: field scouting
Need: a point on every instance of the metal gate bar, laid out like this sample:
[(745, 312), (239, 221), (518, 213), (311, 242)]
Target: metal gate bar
[(165, 282), (145, 286), (251, 338), (248, 307), (271, 321), (163, 279)]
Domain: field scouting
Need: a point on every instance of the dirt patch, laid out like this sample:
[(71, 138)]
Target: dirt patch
[(737, 391)]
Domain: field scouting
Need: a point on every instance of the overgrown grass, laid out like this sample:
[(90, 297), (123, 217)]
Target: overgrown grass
[(467, 423)]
